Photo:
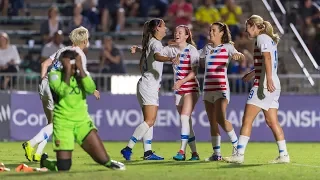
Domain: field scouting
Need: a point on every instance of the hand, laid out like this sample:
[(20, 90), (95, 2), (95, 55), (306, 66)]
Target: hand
[(176, 60), (237, 56), (172, 42), (177, 85), (270, 85), (133, 49), (247, 77), (96, 93), (260, 93), (107, 54), (66, 65)]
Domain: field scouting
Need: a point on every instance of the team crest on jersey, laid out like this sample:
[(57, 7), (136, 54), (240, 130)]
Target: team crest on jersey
[(57, 143)]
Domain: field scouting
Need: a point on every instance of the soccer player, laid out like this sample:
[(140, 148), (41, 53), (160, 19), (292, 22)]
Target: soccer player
[(216, 56), (266, 90), (151, 65), (186, 86), (79, 38), (72, 121)]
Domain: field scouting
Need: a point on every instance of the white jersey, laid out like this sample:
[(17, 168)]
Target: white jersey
[(152, 69), (264, 43), (216, 63), (56, 64), (189, 59)]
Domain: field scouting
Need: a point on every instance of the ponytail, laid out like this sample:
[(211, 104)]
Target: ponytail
[(226, 37), (269, 31)]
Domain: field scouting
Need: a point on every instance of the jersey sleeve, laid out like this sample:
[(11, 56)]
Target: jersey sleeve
[(88, 85), (156, 47), (231, 49), (195, 56), (202, 52), (166, 51), (57, 84), (53, 56), (264, 43)]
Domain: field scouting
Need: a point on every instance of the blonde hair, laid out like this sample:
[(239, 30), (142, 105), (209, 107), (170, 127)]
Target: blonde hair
[(264, 26), (79, 35), (5, 35)]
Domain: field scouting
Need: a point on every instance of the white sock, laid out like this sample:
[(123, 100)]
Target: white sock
[(243, 141), (41, 147), (140, 131), (185, 132), (192, 138), (216, 142), (147, 140), (282, 148), (233, 137), (44, 133)]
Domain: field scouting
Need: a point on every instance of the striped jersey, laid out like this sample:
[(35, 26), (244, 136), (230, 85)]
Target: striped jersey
[(189, 61), (216, 63), (264, 43)]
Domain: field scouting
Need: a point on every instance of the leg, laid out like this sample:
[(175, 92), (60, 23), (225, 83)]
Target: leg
[(104, 20), (272, 121), (221, 111), (121, 19), (215, 133)]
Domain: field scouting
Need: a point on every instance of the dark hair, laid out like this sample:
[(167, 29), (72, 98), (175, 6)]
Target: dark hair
[(189, 33), (226, 37), (149, 30), (68, 54)]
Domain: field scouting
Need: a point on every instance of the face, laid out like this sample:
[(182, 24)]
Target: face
[(3, 41), (215, 34), (108, 43), (180, 35), (252, 31), (77, 10), (161, 29), (53, 13), (58, 38), (208, 2)]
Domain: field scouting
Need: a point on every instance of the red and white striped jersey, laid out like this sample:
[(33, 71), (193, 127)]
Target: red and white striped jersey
[(189, 59), (216, 63), (264, 43)]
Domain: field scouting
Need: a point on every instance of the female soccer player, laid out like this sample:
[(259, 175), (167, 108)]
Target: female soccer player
[(79, 38), (216, 57), (72, 121), (186, 86), (151, 65), (265, 92)]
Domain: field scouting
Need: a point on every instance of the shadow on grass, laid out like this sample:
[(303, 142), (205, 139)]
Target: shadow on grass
[(241, 165), (12, 173)]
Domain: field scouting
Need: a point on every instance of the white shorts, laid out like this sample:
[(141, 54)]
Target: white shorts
[(147, 96), (45, 94), (270, 100), (215, 95), (180, 98)]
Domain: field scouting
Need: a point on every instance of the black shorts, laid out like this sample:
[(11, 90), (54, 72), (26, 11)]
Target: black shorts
[(111, 5)]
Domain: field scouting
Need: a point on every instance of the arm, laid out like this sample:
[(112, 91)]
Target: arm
[(114, 59), (44, 67), (87, 82), (268, 64), (57, 85)]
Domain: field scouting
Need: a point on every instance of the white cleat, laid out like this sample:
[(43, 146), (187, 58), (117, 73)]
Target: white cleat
[(237, 158), (115, 165), (281, 160), (234, 153)]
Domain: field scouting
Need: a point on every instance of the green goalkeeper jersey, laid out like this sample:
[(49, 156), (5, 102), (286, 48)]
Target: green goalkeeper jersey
[(70, 100)]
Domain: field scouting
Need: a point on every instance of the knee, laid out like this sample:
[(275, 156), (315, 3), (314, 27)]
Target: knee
[(64, 164), (150, 122), (271, 124)]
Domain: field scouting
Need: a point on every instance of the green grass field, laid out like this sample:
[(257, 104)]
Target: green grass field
[(305, 163)]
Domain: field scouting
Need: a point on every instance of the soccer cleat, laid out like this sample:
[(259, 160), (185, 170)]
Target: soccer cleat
[(115, 165), (36, 158), (153, 156), (214, 157), (280, 159), (28, 150), (237, 158), (126, 153), (234, 150), (179, 157), (43, 157), (194, 157)]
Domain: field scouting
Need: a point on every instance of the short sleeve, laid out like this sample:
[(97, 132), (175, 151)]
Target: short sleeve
[(202, 52), (53, 56), (264, 43), (230, 49), (156, 47), (166, 51), (16, 55), (195, 56)]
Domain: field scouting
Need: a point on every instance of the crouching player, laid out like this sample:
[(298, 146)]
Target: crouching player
[(71, 120)]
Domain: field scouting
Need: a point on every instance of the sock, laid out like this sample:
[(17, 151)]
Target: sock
[(108, 164), (192, 138), (140, 131), (185, 132), (147, 140), (41, 147), (216, 142), (44, 133), (282, 148), (233, 137), (243, 141), (50, 164)]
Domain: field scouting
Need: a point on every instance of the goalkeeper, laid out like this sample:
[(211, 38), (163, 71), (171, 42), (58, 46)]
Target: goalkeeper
[(71, 118)]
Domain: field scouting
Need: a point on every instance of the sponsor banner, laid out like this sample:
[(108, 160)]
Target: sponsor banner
[(116, 117), (4, 116)]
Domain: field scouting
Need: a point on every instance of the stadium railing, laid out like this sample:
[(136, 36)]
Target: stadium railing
[(126, 84)]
